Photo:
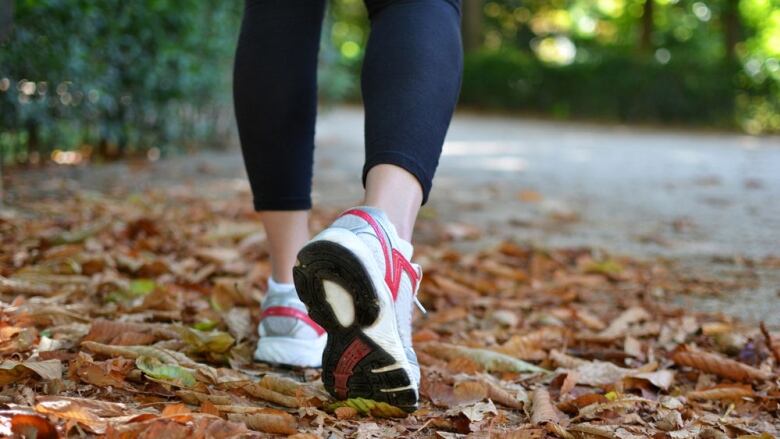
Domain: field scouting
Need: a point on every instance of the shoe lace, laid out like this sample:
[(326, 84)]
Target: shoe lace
[(417, 288)]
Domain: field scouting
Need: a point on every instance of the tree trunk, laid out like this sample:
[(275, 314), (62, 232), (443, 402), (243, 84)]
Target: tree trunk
[(472, 24), (646, 36), (6, 18), (731, 28)]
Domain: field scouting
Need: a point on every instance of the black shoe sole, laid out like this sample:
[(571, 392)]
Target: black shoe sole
[(350, 355)]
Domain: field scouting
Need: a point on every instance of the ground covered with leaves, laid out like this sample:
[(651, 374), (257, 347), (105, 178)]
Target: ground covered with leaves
[(134, 315)]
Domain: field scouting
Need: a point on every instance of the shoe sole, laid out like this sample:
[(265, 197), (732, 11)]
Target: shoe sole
[(290, 352), (353, 365)]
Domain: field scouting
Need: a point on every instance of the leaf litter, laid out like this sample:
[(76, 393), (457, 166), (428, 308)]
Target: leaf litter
[(133, 315)]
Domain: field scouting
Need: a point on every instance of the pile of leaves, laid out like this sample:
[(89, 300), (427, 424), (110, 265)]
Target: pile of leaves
[(135, 315)]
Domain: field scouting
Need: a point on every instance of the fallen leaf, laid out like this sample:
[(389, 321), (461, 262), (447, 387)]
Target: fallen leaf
[(618, 327), (12, 371), (205, 342), (343, 413), (723, 392), (33, 426), (542, 408), (239, 323), (371, 407), (101, 373), (718, 365), (491, 361), (267, 421), (168, 373), (478, 411)]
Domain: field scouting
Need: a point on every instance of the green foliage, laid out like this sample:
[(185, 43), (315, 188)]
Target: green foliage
[(112, 76), (117, 75), (620, 87), (584, 58)]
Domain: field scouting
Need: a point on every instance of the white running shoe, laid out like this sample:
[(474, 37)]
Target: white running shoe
[(357, 282), (287, 335)]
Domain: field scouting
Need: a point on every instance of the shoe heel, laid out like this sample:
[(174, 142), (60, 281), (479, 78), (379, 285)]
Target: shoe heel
[(321, 261)]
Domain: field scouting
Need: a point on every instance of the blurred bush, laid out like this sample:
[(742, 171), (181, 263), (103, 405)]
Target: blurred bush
[(705, 62), (612, 87), (112, 76)]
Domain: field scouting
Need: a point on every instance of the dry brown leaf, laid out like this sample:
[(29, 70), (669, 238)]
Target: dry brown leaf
[(620, 325), (121, 333), (463, 393), (467, 392), (624, 402), (91, 414), (718, 365), (463, 365), (447, 315), (33, 426), (345, 412), (723, 392), (11, 371), (281, 384), (593, 430), (22, 286), (490, 360), (209, 408), (265, 420), (771, 344), (501, 270), (477, 412), (502, 396), (542, 409), (601, 373), (257, 390), (589, 319), (558, 431), (239, 323), (525, 347), (219, 256), (573, 406), (101, 373), (571, 380), (425, 335), (306, 394), (197, 398), (453, 288), (178, 412)]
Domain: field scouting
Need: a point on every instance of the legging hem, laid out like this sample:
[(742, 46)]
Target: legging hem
[(282, 204), (401, 160)]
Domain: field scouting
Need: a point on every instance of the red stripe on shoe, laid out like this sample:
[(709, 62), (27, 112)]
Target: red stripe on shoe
[(399, 264), (286, 311), (356, 351)]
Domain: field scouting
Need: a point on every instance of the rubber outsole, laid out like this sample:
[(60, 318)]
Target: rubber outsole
[(290, 352), (350, 357)]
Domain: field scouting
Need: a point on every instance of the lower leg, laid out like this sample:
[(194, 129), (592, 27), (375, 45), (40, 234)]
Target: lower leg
[(384, 183), (275, 94), (287, 232), (410, 84)]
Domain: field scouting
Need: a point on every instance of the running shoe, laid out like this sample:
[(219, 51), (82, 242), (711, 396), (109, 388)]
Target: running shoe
[(288, 336), (358, 283)]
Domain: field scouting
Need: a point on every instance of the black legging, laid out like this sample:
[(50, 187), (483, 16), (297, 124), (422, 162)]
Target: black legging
[(410, 83)]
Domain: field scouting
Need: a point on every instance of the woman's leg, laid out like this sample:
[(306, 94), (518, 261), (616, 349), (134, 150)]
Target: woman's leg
[(411, 80), (356, 277), (275, 96)]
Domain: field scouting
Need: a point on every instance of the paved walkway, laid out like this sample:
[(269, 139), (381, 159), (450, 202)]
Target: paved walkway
[(691, 196)]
